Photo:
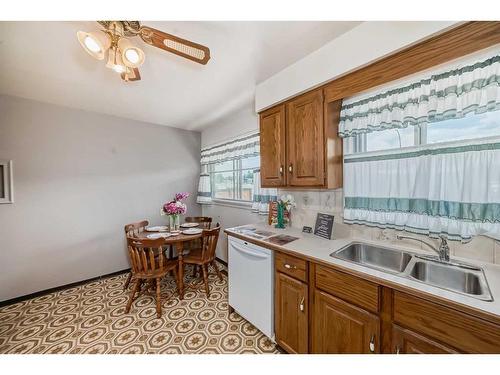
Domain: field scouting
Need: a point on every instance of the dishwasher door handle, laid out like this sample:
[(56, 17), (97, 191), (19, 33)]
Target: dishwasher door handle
[(249, 252)]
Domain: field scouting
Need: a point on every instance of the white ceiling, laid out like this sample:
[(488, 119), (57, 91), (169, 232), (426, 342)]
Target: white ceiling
[(43, 61)]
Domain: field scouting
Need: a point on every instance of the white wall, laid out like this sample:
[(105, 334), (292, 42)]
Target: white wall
[(79, 177), (358, 47)]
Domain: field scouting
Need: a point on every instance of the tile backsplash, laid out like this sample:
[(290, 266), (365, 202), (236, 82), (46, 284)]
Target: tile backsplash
[(310, 202)]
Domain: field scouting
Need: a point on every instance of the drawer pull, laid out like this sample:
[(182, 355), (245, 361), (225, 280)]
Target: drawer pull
[(301, 305), (372, 344), (288, 267)]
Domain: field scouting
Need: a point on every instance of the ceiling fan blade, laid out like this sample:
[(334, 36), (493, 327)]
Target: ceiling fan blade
[(132, 74), (171, 43)]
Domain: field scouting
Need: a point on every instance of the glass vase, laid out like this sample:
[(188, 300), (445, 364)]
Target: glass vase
[(174, 223)]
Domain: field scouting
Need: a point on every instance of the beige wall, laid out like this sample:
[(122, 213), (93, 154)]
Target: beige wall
[(78, 178)]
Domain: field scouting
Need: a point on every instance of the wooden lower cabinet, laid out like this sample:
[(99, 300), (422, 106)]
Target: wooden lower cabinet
[(342, 328), (346, 313), (405, 341), (291, 314)]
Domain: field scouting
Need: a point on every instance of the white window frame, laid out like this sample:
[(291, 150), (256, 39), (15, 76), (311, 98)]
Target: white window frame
[(237, 170), (8, 182)]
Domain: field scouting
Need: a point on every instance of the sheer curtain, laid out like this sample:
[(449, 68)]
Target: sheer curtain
[(450, 189), (441, 189), (262, 196)]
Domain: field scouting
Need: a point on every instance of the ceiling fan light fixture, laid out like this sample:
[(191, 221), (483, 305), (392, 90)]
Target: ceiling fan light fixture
[(132, 56), (115, 61), (95, 44)]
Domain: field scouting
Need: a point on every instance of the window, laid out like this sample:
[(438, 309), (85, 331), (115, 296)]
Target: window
[(233, 179), (471, 126)]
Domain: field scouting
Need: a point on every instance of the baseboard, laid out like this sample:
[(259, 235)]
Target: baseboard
[(221, 261), (59, 288), (67, 286)]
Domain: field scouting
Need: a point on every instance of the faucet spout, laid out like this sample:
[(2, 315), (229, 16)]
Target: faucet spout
[(443, 251)]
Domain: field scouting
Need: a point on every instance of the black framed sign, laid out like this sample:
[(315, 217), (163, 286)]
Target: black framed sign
[(324, 226)]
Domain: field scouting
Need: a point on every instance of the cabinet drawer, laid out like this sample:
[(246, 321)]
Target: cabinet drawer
[(350, 288), (291, 266), (460, 330)]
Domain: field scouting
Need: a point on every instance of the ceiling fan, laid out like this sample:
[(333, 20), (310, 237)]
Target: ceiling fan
[(124, 57)]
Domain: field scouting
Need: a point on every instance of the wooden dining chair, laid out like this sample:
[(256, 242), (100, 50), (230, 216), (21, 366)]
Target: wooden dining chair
[(204, 221), (149, 263), (132, 230), (205, 255)]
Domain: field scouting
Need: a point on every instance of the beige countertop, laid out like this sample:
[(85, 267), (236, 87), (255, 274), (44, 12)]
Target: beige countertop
[(318, 249)]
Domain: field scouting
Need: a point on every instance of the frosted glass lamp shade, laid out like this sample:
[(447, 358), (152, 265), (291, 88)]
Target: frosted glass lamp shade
[(95, 44), (132, 56)]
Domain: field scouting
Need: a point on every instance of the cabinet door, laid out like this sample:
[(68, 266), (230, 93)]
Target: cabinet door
[(405, 341), (291, 314), (305, 141), (342, 328), (272, 147)]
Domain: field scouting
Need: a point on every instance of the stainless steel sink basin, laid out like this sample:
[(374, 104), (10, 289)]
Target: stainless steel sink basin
[(461, 279), (389, 260)]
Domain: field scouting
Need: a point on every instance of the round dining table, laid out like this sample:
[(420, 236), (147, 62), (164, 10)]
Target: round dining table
[(179, 242)]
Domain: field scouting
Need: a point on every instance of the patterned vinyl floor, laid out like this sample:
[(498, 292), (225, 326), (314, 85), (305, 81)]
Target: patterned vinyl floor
[(91, 318)]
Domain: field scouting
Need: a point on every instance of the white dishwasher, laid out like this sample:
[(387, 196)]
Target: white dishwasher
[(251, 283)]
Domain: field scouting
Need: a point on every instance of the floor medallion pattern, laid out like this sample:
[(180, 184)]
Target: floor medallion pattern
[(91, 318)]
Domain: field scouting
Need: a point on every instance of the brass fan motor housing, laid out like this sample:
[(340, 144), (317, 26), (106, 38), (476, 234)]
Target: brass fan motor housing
[(127, 28)]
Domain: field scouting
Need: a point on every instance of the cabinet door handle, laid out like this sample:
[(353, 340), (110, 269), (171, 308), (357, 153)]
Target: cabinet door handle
[(281, 170), (290, 168), (397, 349), (372, 344), (301, 305), (287, 266)]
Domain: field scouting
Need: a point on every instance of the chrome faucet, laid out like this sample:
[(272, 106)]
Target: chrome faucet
[(443, 251)]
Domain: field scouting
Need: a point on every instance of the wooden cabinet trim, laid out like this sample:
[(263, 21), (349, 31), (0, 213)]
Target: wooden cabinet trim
[(350, 288), (453, 327), (290, 265), (405, 341)]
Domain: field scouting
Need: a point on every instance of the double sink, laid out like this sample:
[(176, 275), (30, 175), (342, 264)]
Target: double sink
[(460, 278)]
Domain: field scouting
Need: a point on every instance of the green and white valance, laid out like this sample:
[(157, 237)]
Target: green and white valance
[(449, 189), (245, 146), (471, 85)]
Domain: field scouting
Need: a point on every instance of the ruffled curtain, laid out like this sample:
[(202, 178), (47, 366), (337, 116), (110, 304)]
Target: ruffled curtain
[(204, 195), (436, 190), (245, 146), (262, 196), (472, 86)]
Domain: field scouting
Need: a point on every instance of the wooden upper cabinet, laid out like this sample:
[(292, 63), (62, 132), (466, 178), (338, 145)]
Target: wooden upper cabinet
[(342, 328), (405, 341), (291, 314), (305, 140), (272, 147)]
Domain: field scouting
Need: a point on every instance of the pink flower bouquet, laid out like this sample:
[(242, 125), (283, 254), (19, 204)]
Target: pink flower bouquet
[(175, 207)]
